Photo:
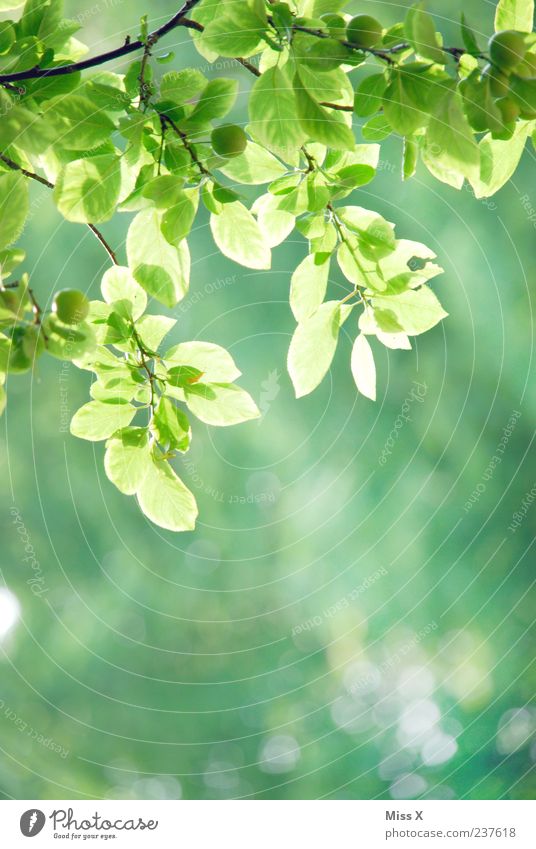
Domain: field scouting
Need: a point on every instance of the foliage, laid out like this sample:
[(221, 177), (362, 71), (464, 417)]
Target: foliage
[(108, 143)]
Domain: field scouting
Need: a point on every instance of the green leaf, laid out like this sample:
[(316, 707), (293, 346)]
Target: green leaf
[(118, 284), (99, 420), (275, 224), (410, 158), (164, 498), (66, 342), (377, 129), (369, 95), (14, 206), (272, 113), (77, 122), (162, 270), (87, 190), (499, 160), (237, 31), (421, 34), (401, 102), (220, 404), (153, 328), (239, 237), (320, 124), (215, 102), (468, 36), (254, 167), (308, 286), (450, 143), (514, 14), (415, 311), (25, 129), (363, 367), (3, 400), (313, 347), (177, 221), (181, 86), (215, 363), (171, 426), (128, 458)]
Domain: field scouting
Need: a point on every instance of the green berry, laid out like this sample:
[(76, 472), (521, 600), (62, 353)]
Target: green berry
[(507, 49), (509, 109), (336, 25), (229, 140), (499, 83), (364, 31), (527, 68), (71, 306)]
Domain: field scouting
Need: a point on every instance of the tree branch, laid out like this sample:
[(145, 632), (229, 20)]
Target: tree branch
[(44, 182), (179, 19)]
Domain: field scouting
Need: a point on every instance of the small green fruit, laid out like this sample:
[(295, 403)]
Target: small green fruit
[(527, 68), (507, 49), (509, 109), (229, 140), (364, 31), (499, 83), (336, 25), (71, 306)]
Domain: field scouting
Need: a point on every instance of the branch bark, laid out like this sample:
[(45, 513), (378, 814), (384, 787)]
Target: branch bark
[(178, 20)]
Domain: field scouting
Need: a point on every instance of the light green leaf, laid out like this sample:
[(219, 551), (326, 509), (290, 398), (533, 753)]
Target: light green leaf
[(118, 284), (450, 142), (254, 167), (421, 34), (275, 224), (14, 205), (215, 102), (239, 237), (214, 362), (128, 458), (99, 420), (236, 31), (181, 86), (401, 103), (363, 367), (272, 112), (415, 311), (153, 328), (77, 122), (3, 400), (220, 404), (514, 14), (499, 160), (165, 500), (87, 190), (313, 347), (308, 285), (322, 125), (178, 219), (171, 426), (161, 269), (25, 129)]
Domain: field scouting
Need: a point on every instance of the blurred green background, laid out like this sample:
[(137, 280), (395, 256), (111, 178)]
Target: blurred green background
[(337, 626)]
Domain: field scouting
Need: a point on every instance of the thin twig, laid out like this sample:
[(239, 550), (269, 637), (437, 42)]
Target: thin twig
[(186, 143), (179, 19)]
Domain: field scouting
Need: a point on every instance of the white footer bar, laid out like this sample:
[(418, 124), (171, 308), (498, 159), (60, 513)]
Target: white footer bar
[(269, 824)]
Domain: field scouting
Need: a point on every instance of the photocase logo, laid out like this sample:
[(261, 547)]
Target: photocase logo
[(32, 822)]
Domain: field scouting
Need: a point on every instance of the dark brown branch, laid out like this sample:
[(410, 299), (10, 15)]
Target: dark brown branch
[(44, 182), (177, 20), (186, 143)]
